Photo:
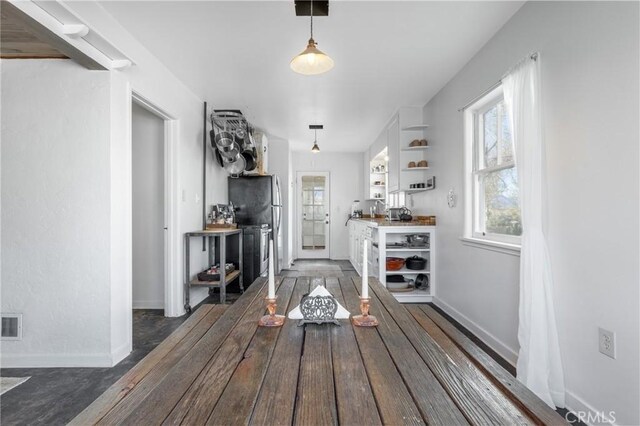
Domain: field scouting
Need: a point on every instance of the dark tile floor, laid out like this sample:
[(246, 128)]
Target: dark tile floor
[(54, 396)]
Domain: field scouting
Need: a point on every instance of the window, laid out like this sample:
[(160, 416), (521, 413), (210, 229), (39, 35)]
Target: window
[(493, 195)]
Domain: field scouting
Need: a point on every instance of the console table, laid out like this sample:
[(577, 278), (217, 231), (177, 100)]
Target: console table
[(214, 237)]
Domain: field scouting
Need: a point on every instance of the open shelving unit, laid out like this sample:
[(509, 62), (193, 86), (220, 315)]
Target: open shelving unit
[(387, 237), (381, 176)]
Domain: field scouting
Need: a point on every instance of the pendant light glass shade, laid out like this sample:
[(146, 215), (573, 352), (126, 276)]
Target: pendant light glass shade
[(311, 61), (315, 148)]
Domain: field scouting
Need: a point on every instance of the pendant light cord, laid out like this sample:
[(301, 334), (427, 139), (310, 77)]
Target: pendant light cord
[(312, 19)]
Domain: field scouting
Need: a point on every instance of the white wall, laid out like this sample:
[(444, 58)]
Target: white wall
[(150, 79), (56, 212), (346, 175), (589, 59), (148, 209), (74, 293)]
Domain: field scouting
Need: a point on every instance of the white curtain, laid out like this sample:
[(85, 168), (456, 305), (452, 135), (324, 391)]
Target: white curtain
[(539, 365)]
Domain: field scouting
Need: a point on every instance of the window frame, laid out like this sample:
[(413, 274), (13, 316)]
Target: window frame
[(474, 172)]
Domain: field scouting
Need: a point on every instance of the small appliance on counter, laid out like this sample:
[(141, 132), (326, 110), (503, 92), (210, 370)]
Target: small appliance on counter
[(394, 213), (222, 216)]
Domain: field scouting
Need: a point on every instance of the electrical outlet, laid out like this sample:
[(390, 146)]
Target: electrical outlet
[(607, 342)]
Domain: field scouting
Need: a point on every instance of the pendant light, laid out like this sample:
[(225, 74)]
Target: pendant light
[(315, 127), (311, 61)]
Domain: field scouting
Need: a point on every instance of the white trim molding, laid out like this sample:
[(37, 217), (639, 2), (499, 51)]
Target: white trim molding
[(500, 247), (490, 340), (62, 360)]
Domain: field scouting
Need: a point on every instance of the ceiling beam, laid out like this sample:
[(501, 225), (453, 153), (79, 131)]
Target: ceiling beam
[(49, 37)]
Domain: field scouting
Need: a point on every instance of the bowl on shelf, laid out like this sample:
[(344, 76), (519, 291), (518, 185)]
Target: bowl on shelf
[(411, 164), (394, 263), (397, 282), (423, 163)]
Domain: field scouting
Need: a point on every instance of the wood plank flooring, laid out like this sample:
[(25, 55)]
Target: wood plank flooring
[(220, 368)]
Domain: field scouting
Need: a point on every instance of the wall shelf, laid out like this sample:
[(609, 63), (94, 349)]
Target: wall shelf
[(412, 169), (405, 271), (416, 148), (415, 127), (408, 249)]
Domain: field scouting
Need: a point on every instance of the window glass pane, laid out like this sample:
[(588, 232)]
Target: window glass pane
[(506, 143), (307, 182), (319, 227), (307, 197), (319, 213), (501, 202), (490, 137), (318, 241), (319, 182), (307, 212), (318, 197), (307, 228), (307, 241)]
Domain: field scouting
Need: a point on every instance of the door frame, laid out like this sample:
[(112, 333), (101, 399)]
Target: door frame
[(298, 213), (173, 305)]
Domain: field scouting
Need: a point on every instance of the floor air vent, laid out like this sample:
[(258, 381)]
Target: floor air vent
[(11, 326)]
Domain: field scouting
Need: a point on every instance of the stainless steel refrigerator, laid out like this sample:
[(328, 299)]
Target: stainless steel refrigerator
[(258, 202)]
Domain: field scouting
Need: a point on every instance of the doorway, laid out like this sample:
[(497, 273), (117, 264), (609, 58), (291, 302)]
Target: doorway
[(313, 215), (148, 208)]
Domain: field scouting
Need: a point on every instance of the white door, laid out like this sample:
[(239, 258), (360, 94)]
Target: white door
[(313, 215)]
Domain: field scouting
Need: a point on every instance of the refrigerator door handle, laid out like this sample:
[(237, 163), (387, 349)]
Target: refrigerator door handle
[(279, 205)]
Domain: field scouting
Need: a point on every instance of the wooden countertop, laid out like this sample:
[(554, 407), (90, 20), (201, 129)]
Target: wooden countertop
[(381, 223)]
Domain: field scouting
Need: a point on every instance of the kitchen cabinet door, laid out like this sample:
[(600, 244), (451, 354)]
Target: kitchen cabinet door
[(393, 151)]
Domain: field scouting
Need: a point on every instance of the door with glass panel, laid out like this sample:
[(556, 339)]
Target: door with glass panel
[(313, 215)]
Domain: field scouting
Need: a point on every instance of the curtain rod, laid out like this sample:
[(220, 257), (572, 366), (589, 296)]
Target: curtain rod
[(533, 56)]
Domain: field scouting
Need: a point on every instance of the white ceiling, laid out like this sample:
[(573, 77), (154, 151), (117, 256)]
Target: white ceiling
[(235, 55)]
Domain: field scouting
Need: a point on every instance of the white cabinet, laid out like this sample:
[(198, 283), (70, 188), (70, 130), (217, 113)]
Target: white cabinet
[(393, 151), (359, 231), (405, 127), (367, 175)]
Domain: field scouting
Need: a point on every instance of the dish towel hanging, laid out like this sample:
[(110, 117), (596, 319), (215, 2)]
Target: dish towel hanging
[(539, 364)]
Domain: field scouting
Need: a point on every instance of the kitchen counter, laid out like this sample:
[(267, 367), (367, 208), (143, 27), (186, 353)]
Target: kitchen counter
[(385, 223)]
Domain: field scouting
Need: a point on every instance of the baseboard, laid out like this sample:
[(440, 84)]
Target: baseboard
[(340, 258), (121, 353), (578, 406), (56, 360), (148, 304), (573, 403), (501, 349)]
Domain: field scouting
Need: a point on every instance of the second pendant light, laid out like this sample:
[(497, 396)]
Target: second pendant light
[(315, 127)]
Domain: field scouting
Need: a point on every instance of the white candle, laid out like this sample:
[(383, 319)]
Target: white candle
[(272, 280), (365, 272)]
